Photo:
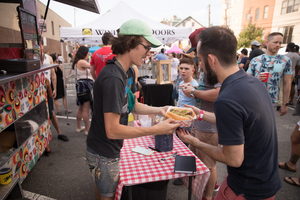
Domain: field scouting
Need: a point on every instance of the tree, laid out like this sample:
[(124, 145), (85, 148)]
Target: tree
[(248, 34)]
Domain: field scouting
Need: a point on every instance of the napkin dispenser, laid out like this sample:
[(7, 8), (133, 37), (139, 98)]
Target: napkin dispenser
[(20, 65)]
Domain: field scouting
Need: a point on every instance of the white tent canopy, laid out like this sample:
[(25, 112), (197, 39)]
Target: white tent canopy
[(92, 32)]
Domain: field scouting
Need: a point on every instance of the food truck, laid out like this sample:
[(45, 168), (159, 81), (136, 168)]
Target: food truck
[(25, 128)]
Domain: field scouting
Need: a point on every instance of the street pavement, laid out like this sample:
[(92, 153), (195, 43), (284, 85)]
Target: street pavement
[(64, 175)]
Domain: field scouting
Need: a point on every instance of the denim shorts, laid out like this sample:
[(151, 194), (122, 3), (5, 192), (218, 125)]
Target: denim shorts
[(105, 171)]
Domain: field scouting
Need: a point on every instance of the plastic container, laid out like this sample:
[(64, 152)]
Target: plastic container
[(130, 120), (164, 143), (5, 175), (146, 122)]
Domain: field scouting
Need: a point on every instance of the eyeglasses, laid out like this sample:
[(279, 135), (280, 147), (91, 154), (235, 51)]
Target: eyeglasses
[(147, 48)]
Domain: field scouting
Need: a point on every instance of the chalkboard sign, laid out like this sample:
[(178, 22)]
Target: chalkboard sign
[(29, 32)]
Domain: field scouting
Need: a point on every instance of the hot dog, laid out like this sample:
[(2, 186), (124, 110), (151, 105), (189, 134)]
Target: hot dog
[(180, 114)]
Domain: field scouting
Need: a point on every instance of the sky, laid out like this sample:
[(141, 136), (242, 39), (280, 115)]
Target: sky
[(154, 9)]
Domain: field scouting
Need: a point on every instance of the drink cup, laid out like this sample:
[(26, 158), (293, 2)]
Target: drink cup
[(267, 76), (146, 122)]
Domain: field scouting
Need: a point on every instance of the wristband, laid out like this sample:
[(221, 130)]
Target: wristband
[(201, 115)]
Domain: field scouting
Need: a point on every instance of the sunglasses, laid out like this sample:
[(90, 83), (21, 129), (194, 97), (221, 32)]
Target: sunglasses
[(147, 48)]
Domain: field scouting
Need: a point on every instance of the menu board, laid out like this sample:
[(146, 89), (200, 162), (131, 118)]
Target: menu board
[(29, 32)]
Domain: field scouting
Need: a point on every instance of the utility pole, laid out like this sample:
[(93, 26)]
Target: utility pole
[(226, 6), (74, 17), (209, 15)]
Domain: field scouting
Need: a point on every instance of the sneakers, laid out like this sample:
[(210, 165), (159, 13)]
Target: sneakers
[(178, 182), (217, 187), (80, 129), (63, 138)]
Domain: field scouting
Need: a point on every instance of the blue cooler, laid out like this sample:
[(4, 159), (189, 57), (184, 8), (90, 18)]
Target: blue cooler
[(164, 143)]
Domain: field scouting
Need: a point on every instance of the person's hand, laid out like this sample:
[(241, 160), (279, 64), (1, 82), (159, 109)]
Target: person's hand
[(185, 136), (283, 109), (187, 89), (195, 109), (262, 76), (166, 127), (163, 110), (54, 94)]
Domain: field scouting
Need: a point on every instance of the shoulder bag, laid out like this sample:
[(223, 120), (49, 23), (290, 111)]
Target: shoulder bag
[(83, 96)]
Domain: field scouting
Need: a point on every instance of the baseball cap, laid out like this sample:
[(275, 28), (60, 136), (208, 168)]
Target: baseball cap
[(139, 27), (192, 39), (255, 43)]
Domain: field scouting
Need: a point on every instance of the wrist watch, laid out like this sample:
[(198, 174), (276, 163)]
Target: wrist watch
[(192, 93), (287, 104)]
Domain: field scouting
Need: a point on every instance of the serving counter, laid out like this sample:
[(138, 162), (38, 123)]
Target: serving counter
[(24, 120)]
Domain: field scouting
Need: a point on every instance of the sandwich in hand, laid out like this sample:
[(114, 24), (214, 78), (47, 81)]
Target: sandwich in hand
[(180, 114)]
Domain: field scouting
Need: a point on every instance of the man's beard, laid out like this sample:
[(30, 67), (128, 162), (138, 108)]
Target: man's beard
[(211, 76)]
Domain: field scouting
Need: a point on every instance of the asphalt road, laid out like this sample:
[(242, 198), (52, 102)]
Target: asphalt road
[(64, 175)]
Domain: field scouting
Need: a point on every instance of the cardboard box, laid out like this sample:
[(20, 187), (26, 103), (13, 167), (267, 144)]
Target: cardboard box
[(7, 140)]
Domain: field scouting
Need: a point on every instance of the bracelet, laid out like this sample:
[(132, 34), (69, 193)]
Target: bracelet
[(201, 115)]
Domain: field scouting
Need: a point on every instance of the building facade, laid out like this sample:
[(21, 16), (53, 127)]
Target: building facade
[(10, 31), (187, 22), (272, 15), (286, 20)]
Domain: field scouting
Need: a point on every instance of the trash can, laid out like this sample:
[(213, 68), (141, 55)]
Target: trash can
[(147, 191)]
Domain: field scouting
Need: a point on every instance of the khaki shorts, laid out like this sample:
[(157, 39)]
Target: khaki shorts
[(208, 138)]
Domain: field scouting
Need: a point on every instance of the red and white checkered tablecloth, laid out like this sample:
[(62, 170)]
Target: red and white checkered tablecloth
[(137, 169)]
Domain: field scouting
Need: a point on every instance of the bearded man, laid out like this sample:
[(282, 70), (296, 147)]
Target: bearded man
[(244, 115)]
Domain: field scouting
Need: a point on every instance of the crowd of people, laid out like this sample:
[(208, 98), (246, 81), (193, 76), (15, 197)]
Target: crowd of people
[(235, 101)]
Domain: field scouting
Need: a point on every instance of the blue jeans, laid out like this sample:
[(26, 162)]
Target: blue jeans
[(105, 171)]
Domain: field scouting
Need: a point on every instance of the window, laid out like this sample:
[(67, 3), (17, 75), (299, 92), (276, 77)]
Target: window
[(52, 27), (289, 6), (257, 14), (183, 24), (193, 24), (266, 12), (228, 21), (229, 3), (248, 16), (287, 34)]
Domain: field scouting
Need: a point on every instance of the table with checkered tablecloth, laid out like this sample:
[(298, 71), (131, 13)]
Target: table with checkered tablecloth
[(137, 169)]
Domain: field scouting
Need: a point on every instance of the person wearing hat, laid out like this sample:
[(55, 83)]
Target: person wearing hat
[(113, 92), (256, 51), (205, 95)]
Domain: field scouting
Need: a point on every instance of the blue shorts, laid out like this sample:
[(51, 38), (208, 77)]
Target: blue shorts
[(105, 171)]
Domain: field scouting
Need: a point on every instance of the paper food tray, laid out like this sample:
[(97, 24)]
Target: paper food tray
[(183, 123)]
